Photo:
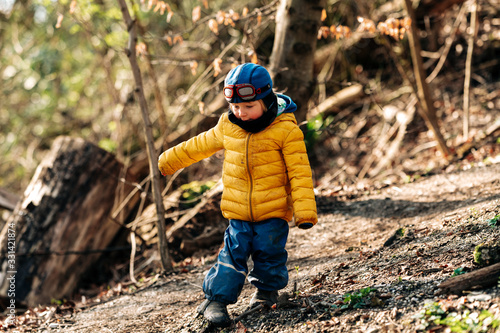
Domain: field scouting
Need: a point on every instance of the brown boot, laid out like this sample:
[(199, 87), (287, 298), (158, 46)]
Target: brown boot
[(215, 312), (266, 297)]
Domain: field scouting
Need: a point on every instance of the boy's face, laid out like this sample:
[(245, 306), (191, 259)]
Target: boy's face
[(247, 110)]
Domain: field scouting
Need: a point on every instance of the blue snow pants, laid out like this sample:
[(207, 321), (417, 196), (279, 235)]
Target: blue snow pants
[(265, 242)]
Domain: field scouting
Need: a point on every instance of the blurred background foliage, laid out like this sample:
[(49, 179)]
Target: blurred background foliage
[(63, 70), (71, 79)]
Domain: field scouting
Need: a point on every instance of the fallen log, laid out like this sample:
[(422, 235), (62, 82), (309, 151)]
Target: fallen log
[(479, 279), (333, 103), (62, 223)]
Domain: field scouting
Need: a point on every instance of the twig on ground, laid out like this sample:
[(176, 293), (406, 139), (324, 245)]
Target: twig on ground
[(248, 312)]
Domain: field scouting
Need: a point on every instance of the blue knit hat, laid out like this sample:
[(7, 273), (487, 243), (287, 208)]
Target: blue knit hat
[(239, 80)]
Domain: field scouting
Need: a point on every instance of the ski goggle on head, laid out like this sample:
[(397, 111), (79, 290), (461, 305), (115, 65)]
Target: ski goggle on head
[(245, 91)]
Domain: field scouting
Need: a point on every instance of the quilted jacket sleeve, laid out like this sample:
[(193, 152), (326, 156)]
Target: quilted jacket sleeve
[(300, 176), (191, 151)]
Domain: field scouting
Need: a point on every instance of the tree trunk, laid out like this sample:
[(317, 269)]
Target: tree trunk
[(62, 219), (292, 60)]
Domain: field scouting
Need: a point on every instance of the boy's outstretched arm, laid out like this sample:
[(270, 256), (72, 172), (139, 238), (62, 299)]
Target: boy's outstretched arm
[(300, 175), (191, 151)]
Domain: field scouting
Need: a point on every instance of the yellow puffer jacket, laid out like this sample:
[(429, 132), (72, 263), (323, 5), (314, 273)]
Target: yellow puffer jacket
[(265, 174)]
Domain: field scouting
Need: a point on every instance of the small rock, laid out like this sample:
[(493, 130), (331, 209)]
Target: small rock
[(394, 313), (478, 297)]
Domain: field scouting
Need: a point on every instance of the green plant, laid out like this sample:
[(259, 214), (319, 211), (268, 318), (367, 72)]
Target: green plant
[(494, 221), (58, 302), (458, 271), (401, 232), (296, 291), (358, 300), (108, 145), (192, 192), (487, 253), (434, 315), (314, 128), (474, 213)]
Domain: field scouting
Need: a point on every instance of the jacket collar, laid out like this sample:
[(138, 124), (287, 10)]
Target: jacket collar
[(259, 124)]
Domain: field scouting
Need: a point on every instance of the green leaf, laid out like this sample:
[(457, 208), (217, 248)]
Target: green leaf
[(494, 221), (116, 38), (458, 271), (108, 145)]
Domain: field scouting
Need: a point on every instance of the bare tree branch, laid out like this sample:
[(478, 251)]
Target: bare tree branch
[(427, 109), (152, 153), (468, 71)]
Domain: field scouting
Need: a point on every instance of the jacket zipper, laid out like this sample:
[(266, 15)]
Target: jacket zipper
[(250, 210)]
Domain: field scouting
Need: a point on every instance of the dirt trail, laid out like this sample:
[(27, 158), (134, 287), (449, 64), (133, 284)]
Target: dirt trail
[(445, 217)]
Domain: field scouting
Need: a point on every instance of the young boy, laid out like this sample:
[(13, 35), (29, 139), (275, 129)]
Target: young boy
[(267, 179)]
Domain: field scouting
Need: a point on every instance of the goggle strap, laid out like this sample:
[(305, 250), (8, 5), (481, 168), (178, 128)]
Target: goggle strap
[(263, 89)]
